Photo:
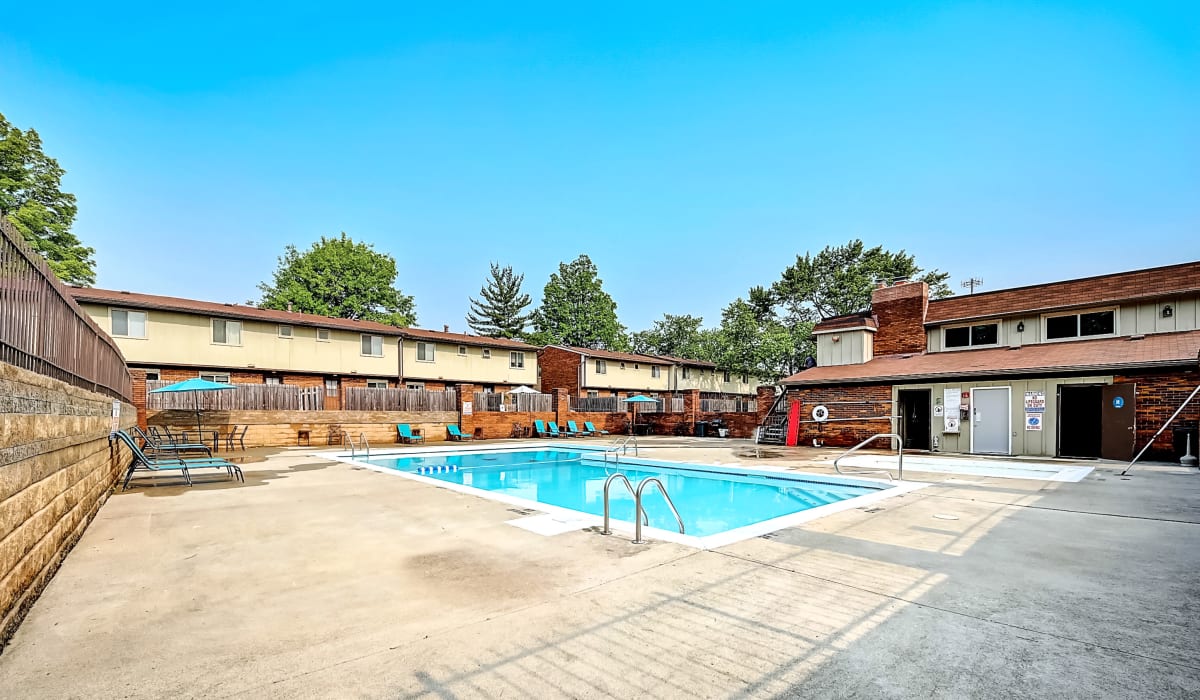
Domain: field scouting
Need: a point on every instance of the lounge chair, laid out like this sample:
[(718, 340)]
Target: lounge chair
[(572, 428), (406, 434), (456, 434), (588, 424), (153, 446), (235, 435), (143, 462), (554, 431), (539, 429)]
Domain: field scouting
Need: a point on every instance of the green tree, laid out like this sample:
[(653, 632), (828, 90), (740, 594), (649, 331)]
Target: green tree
[(839, 279), (677, 336), (340, 278), (577, 311), (750, 344), (500, 313), (31, 197)]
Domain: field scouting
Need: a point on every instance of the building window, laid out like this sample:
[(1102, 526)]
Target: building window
[(226, 332), (622, 365), (635, 366), (415, 386), (486, 353), (592, 393), (462, 350), (726, 377), (601, 367), (516, 360), (331, 387), (425, 352), (128, 324), (655, 371), (372, 345), (285, 332), (222, 377), (377, 384), (323, 335), (152, 375), (1085, 325), (745, 379), (685, 372), (971, 336), (272, 380)]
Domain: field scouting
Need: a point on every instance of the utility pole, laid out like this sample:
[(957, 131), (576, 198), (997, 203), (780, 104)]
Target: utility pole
[(972, 283)]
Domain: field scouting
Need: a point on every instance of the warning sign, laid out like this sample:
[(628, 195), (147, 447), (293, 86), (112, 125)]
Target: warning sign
[(1035, 402), (1033, 421)]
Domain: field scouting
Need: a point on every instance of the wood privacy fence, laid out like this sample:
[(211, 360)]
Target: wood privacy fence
[(615, 404), (531, 403), (244, 397), (734, 405), (366, 399), (43, 330)]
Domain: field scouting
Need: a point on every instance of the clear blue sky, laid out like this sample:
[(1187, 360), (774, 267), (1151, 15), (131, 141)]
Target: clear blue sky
[(691, 149)]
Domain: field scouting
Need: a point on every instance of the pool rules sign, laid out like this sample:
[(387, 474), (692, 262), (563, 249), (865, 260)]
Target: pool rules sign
[(1035, 409)]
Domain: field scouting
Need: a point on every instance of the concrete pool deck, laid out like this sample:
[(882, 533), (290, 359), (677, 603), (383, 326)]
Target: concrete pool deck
[(320, 579)]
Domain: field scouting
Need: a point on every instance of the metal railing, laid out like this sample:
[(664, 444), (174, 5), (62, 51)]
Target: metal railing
[(622, 444), (43, 330), (899, 452), (639, 512)]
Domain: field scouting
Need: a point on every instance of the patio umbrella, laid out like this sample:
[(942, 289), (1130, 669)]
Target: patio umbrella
[(635, 400), (523, 390), (194, 385)]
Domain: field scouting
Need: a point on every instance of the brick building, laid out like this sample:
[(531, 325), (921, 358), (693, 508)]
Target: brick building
[(1082, 368)]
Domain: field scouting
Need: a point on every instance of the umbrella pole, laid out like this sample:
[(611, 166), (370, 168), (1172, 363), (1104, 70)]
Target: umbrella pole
[(199, 428)]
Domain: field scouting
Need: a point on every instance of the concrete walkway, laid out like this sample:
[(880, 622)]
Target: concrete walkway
[(317, 579)]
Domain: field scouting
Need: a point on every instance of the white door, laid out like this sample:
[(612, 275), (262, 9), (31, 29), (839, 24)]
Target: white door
[(991, 420)]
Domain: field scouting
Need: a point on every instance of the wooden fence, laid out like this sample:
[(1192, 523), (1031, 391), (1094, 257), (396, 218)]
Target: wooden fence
[(734, 405), (615, 404), (243, 397), (43, 330), (366, 399), (531, 403)]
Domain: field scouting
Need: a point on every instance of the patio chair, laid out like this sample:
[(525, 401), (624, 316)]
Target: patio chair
[(406, 434), (151, 445), (456, 434), (235, 435), (143, 462), (554, 431), (588, 424), (574, 429), (539, 429), (518, 430)]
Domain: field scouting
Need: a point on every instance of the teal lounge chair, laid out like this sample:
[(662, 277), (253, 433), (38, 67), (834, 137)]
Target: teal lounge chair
[(573, 429), (588, 424), (142, 462), (152, 446), (456, 434), (406, 434), (554, 431), (539, 429)]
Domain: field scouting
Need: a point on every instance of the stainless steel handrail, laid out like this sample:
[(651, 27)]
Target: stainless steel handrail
[(622, 444), (607, 484), (900, 454), (637, 505), (349, 441), (366, 445)]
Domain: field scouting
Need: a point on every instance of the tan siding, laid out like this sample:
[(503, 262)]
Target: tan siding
[(448, 365)]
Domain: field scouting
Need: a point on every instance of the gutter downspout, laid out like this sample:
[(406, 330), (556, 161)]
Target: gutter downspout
[(400, 363)]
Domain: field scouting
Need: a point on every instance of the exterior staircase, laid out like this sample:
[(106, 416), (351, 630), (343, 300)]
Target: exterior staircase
[(774, 426)]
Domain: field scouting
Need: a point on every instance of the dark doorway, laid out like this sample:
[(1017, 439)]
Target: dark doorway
[(1079, 420), (1117, 422), (914, 418)]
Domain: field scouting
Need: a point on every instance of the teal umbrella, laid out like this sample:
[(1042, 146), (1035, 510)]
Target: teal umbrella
[(195, 386), (635, 400)]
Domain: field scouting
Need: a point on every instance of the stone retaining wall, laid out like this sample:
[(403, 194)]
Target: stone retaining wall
[(56, 469), (281, 428)]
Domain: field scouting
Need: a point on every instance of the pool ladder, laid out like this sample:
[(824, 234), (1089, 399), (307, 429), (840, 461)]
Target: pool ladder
[(350, 441), (899, 457), (639, 513), (622, 444)]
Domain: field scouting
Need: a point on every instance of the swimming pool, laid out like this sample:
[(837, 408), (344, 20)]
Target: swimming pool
[(718, 504)]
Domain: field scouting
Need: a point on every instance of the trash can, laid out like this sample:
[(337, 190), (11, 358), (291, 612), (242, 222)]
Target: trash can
[(723, 432), (1179, 439), (701, 428)]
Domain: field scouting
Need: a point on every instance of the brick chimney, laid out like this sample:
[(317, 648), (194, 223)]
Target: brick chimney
[(900, 310)]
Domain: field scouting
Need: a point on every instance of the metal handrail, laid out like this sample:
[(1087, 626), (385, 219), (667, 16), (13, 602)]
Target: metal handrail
[(366, 445), (608, 483), (637, 505), (622, 444), (349, 441), (900, 454)]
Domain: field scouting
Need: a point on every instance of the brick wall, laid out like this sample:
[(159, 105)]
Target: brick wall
[(901, 312), (559, 370), (56, 469), (868, 402), (1158, 396)]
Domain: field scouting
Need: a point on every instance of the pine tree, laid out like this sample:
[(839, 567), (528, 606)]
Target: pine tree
[(499, 314)]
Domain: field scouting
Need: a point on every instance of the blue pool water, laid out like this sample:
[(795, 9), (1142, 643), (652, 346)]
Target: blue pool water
[(708, 502)]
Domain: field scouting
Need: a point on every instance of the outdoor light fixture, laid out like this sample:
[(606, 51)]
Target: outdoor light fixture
[(1167, 311), (1020, 326)]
